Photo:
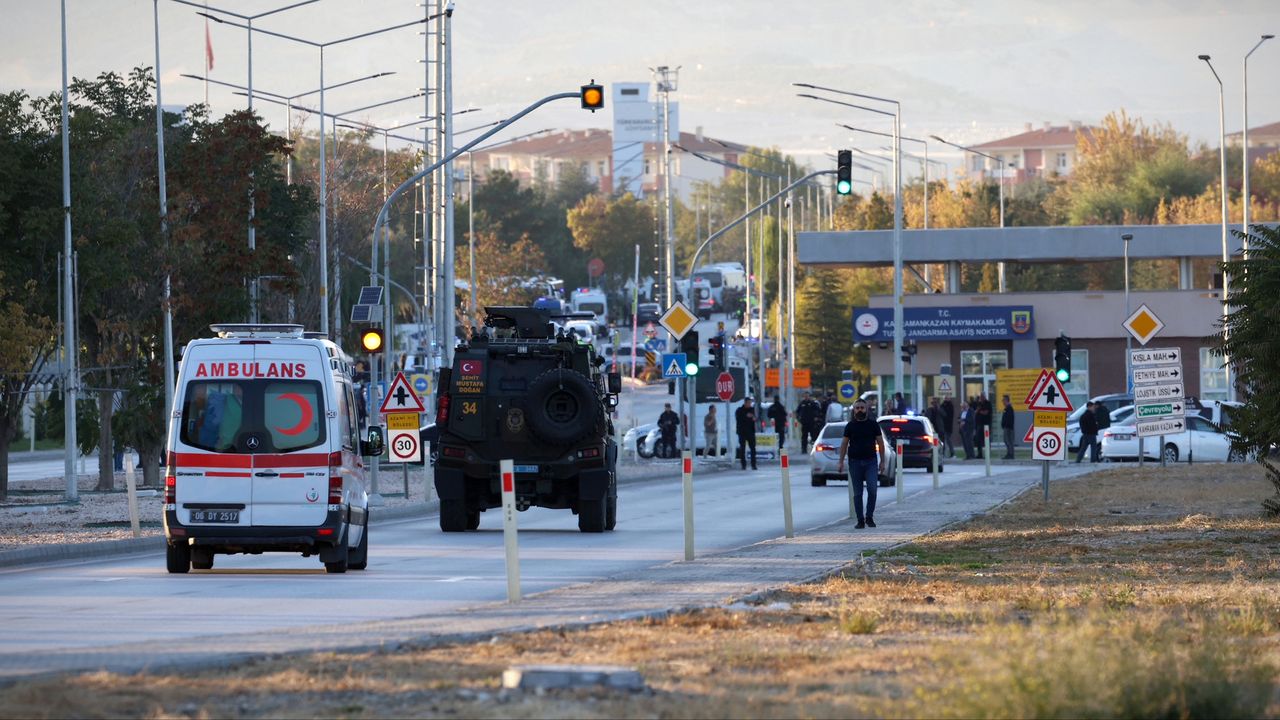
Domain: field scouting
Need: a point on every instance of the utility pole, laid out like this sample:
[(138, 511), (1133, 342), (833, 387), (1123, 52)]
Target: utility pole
[(666, 80), (446, 174), (70, 375)]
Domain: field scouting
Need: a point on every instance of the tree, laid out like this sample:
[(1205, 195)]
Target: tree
[(499, 268), (610, 229), (824, 327), (25, 342), (1253, 347)]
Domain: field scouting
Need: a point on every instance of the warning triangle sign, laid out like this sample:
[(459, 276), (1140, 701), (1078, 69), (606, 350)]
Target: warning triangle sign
[(1036, 387), (1027, 438), (944, 386), (1051, 395), (401, 398), (674, 369)]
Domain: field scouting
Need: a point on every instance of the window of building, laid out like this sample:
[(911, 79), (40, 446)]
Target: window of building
[(1062, 161), (502, 163), (977, 163), (1078, 387), (647, 169), (1013, 162), (978, 371), (1213, 376), (600, 169)]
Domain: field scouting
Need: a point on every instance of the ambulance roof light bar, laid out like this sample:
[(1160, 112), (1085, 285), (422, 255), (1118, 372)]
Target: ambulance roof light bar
[(250, 330)]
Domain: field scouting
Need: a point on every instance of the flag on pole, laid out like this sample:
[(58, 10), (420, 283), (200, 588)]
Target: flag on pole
[(208, 48)]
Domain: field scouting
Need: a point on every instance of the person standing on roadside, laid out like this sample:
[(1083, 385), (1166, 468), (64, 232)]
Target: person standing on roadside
[(807, 414), (1007, 420), (1103, 416), (948, 426), (709, 433), (778, 414), (933, 414), (966, 429), (668, 422), (745, 420), (1088, 433), (982, 424), (861, 434)]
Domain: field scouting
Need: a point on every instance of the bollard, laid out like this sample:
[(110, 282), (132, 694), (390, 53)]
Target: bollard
[(849, 476), (935, 467), (786, 495), (507, 469), (131, 484), (897, 473), (986, 442), (687, 481)]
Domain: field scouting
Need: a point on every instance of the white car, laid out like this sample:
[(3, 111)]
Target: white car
[(1201, 440), (1119, 416), (585, 330), (649, 446), (824, 457), (634, 439)]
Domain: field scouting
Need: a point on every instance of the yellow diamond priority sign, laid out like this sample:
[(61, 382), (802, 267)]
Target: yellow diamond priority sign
[(1143, 324), (678, 319)]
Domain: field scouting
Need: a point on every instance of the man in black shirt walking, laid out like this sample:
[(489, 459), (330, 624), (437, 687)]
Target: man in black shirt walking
[(745, 419), (860, 436)]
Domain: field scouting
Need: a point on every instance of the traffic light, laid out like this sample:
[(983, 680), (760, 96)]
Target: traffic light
[(371, 339), (844, 172), (1062, 358), (717, 352), (592, 96), (689, 346), (909, 351)]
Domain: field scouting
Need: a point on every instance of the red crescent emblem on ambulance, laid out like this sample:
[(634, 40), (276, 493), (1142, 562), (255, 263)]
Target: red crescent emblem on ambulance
[(307, 414)]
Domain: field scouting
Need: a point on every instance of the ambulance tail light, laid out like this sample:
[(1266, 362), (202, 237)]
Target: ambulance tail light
[(170, 488), (335, 478)]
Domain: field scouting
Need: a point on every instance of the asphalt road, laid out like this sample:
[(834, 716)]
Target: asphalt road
[(414, 570)]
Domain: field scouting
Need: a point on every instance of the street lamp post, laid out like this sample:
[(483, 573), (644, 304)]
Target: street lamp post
[(253, 230), (1226, 252), (1245, 145), (899, 336), (324, 184), (1128, 340), (166, 300)]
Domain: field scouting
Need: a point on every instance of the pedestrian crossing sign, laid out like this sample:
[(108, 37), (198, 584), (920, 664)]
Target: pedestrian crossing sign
[(673, 365)]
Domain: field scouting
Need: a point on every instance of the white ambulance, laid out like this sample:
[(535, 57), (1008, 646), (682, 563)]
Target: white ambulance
[(264, 451)]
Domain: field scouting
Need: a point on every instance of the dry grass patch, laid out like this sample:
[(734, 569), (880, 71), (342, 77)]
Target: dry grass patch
[(1130, 594)]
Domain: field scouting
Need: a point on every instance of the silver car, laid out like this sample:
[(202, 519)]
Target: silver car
[(824, 458)]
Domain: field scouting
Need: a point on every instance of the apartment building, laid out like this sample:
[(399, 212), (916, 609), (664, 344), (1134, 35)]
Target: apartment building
[(1048, 151)]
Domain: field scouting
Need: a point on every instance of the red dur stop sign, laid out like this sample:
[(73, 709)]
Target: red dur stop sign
[(724, 386)]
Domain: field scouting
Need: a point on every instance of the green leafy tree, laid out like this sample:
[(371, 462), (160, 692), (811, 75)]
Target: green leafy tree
[(824, 327), (1253, 346), (610, 229)]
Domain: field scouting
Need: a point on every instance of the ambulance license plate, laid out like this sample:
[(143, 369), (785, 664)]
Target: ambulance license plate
[(526, 469), (215, 516)]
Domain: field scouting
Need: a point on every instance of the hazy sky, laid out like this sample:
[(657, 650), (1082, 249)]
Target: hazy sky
[(970, 71)]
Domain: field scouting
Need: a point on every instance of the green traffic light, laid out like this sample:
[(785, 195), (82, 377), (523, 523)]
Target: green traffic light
[(1063, 375), (691, 369), (844, 187)]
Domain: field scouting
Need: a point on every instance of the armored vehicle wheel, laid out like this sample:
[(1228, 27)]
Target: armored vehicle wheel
[(816, 481), (592, 515), (453, 515), (563, 406), (473, 519), (611, 513), (177, 558)]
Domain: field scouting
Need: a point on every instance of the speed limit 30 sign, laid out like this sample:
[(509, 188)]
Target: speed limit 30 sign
[(404, 446), (1049, 443)]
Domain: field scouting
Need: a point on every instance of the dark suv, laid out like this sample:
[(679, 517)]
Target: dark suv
[(918, 440), (525, 389)]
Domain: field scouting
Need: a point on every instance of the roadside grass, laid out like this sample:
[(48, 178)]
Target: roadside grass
[(1132, 593)]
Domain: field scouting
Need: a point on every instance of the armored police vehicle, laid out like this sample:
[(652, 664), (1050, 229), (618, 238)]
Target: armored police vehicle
[(524, 388)]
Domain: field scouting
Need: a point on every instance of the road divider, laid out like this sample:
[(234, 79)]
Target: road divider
[(507, 469)]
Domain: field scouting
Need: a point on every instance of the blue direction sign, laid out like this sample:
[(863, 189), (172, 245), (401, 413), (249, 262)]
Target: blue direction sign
[(673, 365), (847, 390), (655, 345)]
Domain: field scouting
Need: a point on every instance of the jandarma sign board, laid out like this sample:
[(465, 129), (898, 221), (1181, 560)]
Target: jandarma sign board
[(1006, 322)]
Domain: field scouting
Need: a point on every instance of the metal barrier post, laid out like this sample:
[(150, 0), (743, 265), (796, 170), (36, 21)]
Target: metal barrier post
[(786, 495), (131, 484), (897, 472), (986, 442), (935, 467), (507, 469), (686, 460)]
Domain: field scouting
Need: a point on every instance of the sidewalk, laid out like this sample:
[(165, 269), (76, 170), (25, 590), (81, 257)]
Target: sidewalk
[(651, 592)]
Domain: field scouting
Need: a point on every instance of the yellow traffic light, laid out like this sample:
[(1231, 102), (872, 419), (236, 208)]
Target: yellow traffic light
[(592, 96), (371, 340)]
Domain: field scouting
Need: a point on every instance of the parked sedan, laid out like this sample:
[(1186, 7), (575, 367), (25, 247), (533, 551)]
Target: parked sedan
[(824, 458), (635, 437), (1201, 440), (917, 436), (1112, 403), (1119, 416), (648, 313)]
